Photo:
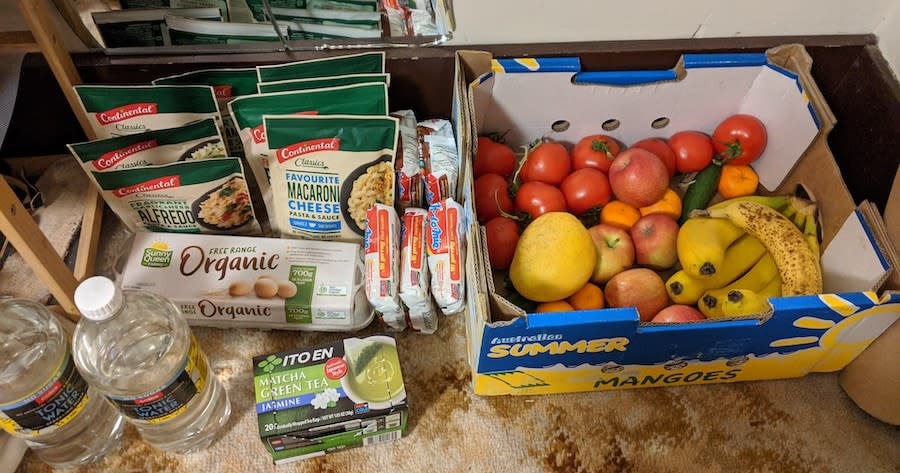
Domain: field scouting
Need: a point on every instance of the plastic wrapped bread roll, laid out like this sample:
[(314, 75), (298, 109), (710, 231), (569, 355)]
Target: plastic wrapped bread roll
[(414, 287), (437, 148), (406, 165), (381, 248), (446, 246)]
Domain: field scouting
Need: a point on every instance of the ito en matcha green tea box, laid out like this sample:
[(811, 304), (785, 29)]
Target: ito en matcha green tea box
[(316, 400)]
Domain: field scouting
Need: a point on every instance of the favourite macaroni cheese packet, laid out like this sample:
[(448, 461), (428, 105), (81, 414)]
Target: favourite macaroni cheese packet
[(380, 246), (446, 246), (327, 171)]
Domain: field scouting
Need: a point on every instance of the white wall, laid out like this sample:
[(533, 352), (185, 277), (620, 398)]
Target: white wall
[(889, 38), (497, 21)]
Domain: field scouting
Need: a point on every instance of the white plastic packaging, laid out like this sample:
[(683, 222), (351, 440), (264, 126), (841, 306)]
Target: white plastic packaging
[(446, 246), (414, 287), (381, 249), (136, 348)]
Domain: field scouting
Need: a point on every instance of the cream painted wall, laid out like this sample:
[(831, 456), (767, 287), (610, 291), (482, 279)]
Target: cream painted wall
[(889, 38), (497, 21)]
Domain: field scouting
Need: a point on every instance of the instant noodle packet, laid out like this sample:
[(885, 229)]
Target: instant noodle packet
[(446, 246), (408, 166), (327, 171), (367, 20), (187, 31), (258, 10), (206, 196), (381, 244), (414, 275), (200, 140), (437, 148), (116, 110)]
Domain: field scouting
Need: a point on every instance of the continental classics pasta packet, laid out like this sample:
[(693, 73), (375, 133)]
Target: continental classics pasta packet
[(144, 27), (414, 290), (446, 246), (408, 166), (381, 245), (206, 196), (363, 63), (247, 114), (328, 170), (322, 82), (227, 84), (437, 148), (116, 110), (200, 140)]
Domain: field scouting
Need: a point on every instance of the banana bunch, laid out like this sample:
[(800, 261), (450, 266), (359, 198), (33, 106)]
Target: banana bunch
[(738, 253)]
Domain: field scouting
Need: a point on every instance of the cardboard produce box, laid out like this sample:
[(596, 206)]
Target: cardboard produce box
[(512, 352)]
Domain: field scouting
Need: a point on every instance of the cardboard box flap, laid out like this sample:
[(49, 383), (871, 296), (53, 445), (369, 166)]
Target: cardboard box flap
[(635, 102), (854, 259)]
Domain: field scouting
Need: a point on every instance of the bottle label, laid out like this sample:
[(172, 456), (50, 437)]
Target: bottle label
[(52, 406), (171, 400)]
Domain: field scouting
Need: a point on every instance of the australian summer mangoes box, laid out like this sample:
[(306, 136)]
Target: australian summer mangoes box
[(514, 352), (316, 400)]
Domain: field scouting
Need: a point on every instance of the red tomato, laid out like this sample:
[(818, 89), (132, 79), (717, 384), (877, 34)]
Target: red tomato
[(661, 149), (538, 198), (548, 162), (740, 139), (491, 190), (502, 237), (693, 151), (595, 151), (586, 189), (493, 157)]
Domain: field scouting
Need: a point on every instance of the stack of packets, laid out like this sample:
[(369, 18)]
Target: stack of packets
[(418, 258), (302, 150), (151, 23)]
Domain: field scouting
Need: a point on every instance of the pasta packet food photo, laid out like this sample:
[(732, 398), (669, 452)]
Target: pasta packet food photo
[(200, 140), (116, 110), (206, 196), (327, 171)]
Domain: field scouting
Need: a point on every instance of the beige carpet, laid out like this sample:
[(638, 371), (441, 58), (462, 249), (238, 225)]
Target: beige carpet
[(799, 425)]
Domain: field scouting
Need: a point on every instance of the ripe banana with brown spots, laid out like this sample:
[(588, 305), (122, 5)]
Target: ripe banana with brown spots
[(798, 264)]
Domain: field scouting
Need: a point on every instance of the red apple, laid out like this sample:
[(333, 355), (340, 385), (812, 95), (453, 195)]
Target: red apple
[(661, 149), (654, 237), (615, 251), (640, 288), (638, 177), (678, 313)]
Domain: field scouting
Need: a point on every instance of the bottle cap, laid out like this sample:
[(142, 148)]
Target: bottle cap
[(98, 298)]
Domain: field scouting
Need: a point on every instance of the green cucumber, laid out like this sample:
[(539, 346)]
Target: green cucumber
[(701, 191)]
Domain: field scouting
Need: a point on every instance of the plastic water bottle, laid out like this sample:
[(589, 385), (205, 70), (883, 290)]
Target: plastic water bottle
[(138, 350), (43, 398)]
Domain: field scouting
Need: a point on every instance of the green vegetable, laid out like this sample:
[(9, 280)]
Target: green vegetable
[(701, 191)]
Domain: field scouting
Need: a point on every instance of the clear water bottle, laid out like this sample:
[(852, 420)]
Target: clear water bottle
[(43, 398), (137, 349)]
